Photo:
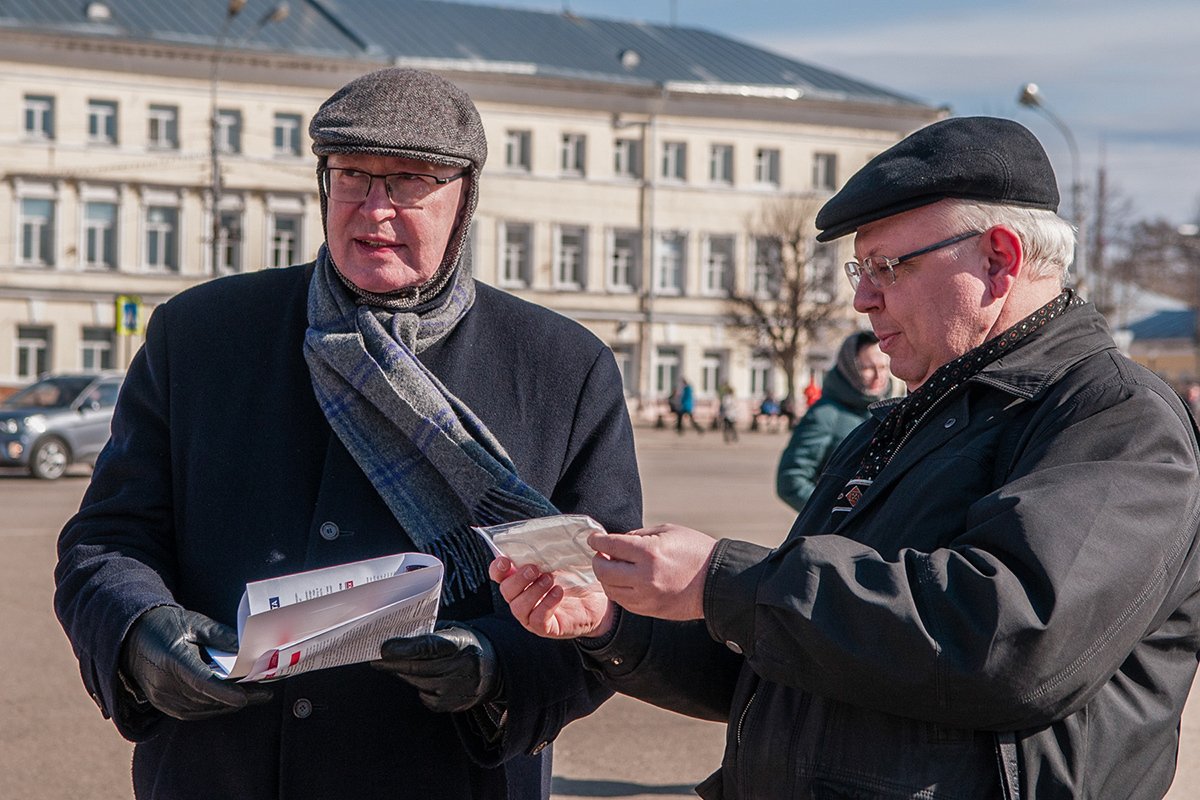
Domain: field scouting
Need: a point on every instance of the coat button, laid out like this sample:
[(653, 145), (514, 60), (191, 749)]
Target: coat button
[(950, 422), (302, 708), (616, 661), (734, 646), (329, 531)]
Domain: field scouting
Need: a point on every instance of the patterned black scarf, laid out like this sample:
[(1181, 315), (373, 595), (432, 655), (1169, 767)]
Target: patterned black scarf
[(905, 417)]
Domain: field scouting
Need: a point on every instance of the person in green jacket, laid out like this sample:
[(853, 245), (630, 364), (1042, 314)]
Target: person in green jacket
[(858, 378)]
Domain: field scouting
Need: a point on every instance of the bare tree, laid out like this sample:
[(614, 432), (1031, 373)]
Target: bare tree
[(791, 301)]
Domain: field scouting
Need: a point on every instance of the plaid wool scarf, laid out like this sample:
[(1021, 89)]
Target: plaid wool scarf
[(435, 464), (907, 415)]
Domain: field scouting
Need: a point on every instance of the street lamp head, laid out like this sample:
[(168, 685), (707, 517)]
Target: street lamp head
[(1030, 95)]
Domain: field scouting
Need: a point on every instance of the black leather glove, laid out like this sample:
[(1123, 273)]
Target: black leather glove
[(453, 669), (161, 657)]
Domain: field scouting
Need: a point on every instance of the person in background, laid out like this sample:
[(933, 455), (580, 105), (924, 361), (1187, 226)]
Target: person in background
[(727, 411), (768, 409), (994, 591), (858, 378), (375, 401), (686, 406)]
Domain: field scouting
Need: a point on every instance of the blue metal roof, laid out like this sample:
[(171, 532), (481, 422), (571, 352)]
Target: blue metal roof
[(486, 37), (1172, 324)]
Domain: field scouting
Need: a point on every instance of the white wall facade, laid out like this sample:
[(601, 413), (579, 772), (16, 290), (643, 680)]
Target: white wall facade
[(567, 224)]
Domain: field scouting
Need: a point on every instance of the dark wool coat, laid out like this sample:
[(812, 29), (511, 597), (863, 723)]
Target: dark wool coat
[(1011, 610), (222, 470)]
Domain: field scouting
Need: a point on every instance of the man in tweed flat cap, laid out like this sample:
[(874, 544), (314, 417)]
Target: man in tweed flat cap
[(374, 401), (993, 591)]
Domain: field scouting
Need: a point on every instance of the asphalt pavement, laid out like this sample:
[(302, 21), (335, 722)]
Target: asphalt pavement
[(54, 744)]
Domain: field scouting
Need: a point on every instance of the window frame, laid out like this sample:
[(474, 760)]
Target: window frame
[(162, 126), (577, 280), (102, 121), (38, 117)]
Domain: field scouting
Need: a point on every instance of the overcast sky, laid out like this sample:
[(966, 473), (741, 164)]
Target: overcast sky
[(1123, 76)]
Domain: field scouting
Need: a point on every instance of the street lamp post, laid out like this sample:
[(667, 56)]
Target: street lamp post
[(276, 14), (1031, 97)]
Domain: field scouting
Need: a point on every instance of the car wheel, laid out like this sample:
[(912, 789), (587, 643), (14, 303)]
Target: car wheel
[(49, 459)]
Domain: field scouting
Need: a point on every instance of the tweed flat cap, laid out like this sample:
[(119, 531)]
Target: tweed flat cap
[(406, 113), (986, 159)]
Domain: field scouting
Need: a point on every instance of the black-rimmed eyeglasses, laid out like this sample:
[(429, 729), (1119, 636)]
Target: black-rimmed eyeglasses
[(403, 188), (876, 267)]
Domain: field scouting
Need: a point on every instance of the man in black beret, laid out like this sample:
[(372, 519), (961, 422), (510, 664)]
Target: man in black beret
[(376, 400), (993, 590)]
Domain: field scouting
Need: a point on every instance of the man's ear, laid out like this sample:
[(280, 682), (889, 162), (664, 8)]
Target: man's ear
[(1005, 258)]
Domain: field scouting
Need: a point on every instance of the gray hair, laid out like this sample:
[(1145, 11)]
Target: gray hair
[(1047, 239)]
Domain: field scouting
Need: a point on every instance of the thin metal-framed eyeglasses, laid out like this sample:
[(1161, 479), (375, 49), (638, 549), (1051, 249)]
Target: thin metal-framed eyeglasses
[(876, 267), (403, 188)]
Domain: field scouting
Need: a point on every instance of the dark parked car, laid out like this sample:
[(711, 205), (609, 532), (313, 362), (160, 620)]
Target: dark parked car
[(58, 421)]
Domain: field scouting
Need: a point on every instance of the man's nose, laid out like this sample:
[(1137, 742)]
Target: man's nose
[(867, 296), (377, 199)]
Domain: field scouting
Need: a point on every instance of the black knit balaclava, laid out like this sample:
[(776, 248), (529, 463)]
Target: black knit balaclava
[(405, 113)]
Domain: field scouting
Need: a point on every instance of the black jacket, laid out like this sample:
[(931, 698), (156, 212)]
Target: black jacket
[(1011, 607), (222, 470)]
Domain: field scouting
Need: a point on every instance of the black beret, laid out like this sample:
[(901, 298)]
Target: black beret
[(986, 159)]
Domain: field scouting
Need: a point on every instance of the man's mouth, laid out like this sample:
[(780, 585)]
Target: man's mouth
[(375, 243)]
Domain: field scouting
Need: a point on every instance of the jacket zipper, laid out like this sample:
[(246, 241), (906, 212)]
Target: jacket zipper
[(742, 719)]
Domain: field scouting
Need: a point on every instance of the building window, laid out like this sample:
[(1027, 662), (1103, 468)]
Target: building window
[(100, 235), (516, 265), (164, 127), (765, 270), (36, 224), (720, 164), (712, 372), (517, 150), (762, 375), (824, 274), (570, 257), (39, 116), (667, 361), (229, 242), (624, 263), (627, 158), (672, 247), (766, 166), (287, 134), (162, 239), (824, 171), (626, 358), (573, 154), (33, 351), (229, 130), (96, 350), (674, 161), (102, 122), (718, 265), (285, 240)]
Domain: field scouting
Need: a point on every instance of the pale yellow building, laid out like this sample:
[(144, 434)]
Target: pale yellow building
[(625, 160)]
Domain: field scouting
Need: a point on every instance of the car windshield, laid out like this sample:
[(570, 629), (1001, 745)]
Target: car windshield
[(49, 393)]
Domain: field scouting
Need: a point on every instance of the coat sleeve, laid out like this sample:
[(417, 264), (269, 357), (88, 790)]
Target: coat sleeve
[(1052, 581), (545, 683), (809, 445), (115, 556), (672, 665)]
